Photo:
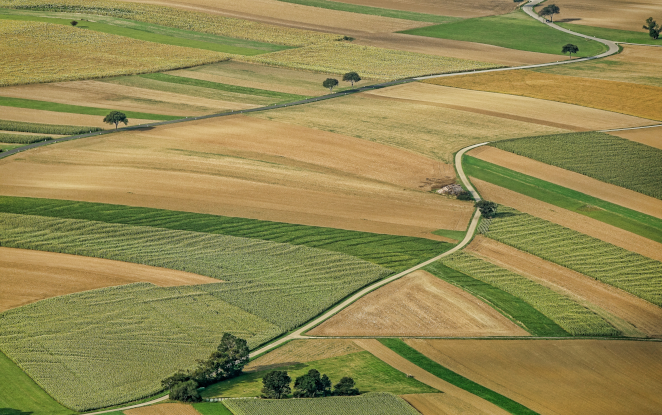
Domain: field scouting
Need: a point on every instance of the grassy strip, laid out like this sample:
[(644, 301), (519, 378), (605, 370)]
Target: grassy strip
[(211, 408), (613, 34), (610, 213), (77, 109), (31, 127), (515, 308), (22, 138), (451, 377), (604, 157), (150, 33), (457, 235), (393, 252), (282, 96), (375, 11), (514, 31)]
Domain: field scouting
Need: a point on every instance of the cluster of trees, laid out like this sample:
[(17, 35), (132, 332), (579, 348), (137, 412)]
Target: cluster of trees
[(348, 77), (653, 28), (226, 362), (276, 385), (487, 209)]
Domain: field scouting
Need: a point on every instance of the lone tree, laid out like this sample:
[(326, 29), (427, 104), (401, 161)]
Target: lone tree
[(487, 209), (345, 387), (330, 83), (312, 385), (550, 11), (351, 77), (185, 392), (653, 28), (570, 48), (116, 117), (276, 385), (73, 22)]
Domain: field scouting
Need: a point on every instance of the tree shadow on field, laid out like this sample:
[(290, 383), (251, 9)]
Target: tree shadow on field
[(568, 20), (10, 411)]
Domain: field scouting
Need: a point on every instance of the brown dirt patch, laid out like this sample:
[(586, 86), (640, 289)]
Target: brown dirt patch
[(62, 118), (419, 304), (575, 181), (559, 376), (626, 312), (477, 405), (245, 167), (164, 409), (621, 97), (29, 276), (613, 14), (302, 351), (456, 8), (438, 404), (649, 136)]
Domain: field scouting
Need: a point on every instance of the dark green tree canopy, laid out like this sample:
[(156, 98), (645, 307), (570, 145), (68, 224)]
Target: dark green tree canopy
[(185, 392), (276, 385), (487, 209), (330, 83), (73, 22), (653, 28), (345, 387), (351, 77), (570, 48), (312, 385), (550, 11), (116, 117)]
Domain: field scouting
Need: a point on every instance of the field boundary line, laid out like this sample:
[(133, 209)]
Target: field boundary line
[(630, 128)]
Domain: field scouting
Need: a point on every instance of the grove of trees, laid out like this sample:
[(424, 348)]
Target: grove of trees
[(487, 209), (276, 385)]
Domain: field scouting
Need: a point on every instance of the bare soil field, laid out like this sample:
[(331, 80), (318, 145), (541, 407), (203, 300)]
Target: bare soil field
[(455, 8), (246, 167), (460, 397), (649, 136), (424, 127), (605, 191), (633, 316), (63, 118), (580, 223), (164, 409), (302, 351), (438, 404), (105, 95), (621, 97), (559, 376), (419, 304), (612, 14), (29, 276)]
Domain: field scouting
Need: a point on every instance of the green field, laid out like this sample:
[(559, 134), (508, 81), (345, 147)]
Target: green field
[(209, 408), (613, 34), (516, 309), (22, 138), (31, 127), (598, 155), (457, 235), (449, 376), (7, 147), (375, 11), (514, 31), (394, 252), (631, 272), (370, 404), (612, 214), (369, 373)]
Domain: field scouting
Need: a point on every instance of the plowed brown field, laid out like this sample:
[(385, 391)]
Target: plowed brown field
[(164, 409), (630, 314), (649, 136), (613, 14), (302, 351), (457, 8), (29, 276), (575, 181), (438, 404), (246, 167), (63, 118), (580, 223), (571, 377), (419, 304), (621, 97)]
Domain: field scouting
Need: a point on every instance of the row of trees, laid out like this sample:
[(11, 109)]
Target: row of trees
[(348, 77), (276, 385)]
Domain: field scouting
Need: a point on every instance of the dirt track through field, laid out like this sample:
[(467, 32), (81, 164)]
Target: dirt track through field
[(302, 351), (164, 409), (613, 14), (649, 136), (419, 304), (626, 312), (573, 377), (575, 181), (29, 276), (575, 221)]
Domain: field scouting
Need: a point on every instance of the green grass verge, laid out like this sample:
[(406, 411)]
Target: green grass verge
[(375, 11), (22, 138), (20, 395), (278, 96), (457, 235), (211, 408), (7, 147), (390, 251), (602, 156), (610, 213), (514, 31), (369, 373), (31, 127), (77, 109), (449, 376), (515, 308), (613, 34)]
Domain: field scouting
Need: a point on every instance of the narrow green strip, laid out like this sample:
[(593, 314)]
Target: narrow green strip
[(77, 109), (453, 378), (621, 217)]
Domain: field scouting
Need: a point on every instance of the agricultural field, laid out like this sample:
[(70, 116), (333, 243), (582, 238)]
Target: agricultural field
[(622, 97), (647, 136), (302, 351), (559, 376), (164, 409), (39, 128), (30, 115), (439, 309), (455, 8), (613, 14)]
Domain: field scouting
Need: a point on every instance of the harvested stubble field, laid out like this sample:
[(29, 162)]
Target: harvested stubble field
[(66, 53), (302, 351), (648, 136), (613, 14), (419, 304), (456, 8), (629, 314), (28, 115), (298, 175), (437, 404), (622, 97), (417, 125), (559, 376), (572, 316), (164, 409), (29, 276)]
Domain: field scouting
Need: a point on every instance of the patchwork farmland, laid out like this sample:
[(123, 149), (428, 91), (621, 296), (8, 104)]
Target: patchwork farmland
[(270, 206)]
